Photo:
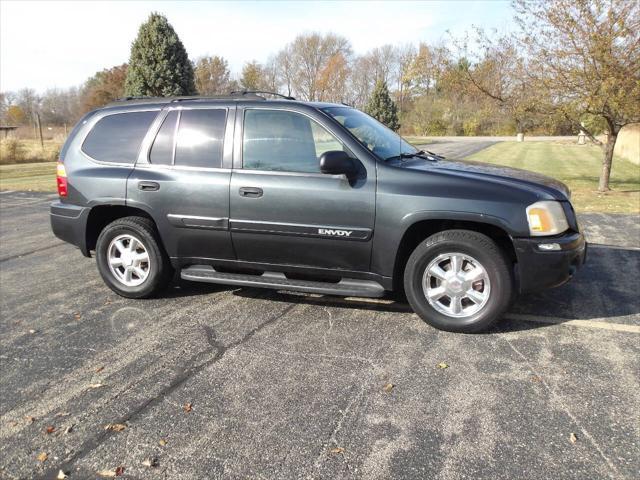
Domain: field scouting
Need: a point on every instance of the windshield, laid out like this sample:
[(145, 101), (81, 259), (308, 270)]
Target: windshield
[(382, 141)]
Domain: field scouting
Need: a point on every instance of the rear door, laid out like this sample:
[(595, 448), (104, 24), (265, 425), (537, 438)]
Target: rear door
[(182, 179), (283, 210)]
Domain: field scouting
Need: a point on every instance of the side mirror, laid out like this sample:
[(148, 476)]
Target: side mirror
[(337, 162)]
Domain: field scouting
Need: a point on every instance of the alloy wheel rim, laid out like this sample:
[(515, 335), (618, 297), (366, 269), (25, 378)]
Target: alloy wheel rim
[(456, 285), (128, 260)]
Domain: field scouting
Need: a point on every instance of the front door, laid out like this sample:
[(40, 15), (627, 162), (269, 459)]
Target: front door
[(182, 180), (283, 210)]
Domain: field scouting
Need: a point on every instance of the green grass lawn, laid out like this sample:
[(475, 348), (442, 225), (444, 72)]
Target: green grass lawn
[(38, 177), (576, 165)]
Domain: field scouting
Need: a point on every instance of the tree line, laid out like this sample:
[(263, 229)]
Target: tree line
[(570, 66)]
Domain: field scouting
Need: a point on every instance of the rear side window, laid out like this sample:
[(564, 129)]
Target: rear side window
[(117, 138), (74, 132), (200, 138), (162, 149)]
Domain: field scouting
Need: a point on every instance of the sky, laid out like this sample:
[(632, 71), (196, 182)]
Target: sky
[(60, 44)]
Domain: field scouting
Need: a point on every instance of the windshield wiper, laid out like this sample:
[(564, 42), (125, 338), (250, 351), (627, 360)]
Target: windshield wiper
[(420, 154)]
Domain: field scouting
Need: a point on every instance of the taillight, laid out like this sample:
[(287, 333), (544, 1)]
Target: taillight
[(61, 180)]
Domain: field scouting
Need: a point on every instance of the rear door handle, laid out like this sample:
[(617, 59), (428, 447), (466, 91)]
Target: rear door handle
[(148, 186), (252, 192)]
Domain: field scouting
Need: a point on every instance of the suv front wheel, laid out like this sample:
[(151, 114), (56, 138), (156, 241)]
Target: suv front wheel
[(130, 258), (459, 281)]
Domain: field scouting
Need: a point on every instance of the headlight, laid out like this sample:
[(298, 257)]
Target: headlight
[(546, 218)]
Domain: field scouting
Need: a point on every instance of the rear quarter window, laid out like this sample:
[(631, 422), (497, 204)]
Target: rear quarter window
[(117, 138)]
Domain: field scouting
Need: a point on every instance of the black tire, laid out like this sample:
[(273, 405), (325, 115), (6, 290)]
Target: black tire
[(160, 269), (477, 246)]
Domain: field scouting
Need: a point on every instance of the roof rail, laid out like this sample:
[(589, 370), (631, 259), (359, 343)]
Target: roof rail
[(265, 92), (149, 99)]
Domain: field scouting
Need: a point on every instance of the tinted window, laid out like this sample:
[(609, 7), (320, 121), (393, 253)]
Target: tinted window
[(200, 138), (117, 138), (74, 132), (284, 141), (162, 149)]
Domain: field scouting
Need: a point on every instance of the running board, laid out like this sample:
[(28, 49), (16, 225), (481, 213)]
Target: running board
[(347, 287)]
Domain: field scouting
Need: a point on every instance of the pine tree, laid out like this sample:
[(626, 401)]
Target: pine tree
[(382, 107), (159, 65)]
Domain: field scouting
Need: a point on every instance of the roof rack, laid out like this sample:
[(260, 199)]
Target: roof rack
[(235, 95), (264, 92)]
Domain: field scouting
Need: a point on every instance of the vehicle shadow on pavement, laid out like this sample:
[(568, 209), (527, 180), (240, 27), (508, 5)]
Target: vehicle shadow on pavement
[(606, 288)]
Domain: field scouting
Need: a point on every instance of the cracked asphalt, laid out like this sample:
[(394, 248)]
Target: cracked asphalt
[(284, 385)]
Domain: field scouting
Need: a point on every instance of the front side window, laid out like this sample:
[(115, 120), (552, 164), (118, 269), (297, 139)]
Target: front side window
[(278, 140), (117, 138)]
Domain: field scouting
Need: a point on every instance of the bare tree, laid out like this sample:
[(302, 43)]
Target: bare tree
[(29, 101), (499, 71), (285, 69), (310, 55), (585, 58)]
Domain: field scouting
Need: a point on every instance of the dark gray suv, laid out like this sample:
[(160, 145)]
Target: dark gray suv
[(313, 197)]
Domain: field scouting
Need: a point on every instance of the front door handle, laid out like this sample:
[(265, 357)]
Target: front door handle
[(148, 186), (251, 192)]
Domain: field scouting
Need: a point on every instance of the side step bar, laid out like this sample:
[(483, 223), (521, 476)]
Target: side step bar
[(347, 287)]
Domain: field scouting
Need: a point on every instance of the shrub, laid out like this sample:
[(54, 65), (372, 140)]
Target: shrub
[(11, 151)]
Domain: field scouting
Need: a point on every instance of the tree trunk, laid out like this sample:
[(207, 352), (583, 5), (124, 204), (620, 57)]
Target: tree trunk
[(603, 184)]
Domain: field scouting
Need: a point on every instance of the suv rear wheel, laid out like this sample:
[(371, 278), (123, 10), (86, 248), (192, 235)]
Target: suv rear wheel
[(130, 258), (459, 281)]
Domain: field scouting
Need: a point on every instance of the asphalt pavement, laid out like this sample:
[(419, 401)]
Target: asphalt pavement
[(454, 149), (219, 382)]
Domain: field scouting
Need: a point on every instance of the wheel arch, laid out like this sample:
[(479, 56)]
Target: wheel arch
[(102, 215), (421, 228)]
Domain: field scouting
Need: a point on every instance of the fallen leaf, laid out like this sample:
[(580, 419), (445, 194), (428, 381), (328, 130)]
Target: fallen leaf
[(96, 385), (99, 369), (30, 419), (107, 473), (50, 429), (187, 407), (76, 316), (116, 427), (150, 462), (388, 387), (162, 442), (116, 472), (61, 475), (442, 365), (337, 450), (573, 438), (42, 457)]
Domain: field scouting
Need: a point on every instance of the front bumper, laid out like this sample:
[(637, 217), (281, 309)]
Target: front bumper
[(68, 223), (540, 269)]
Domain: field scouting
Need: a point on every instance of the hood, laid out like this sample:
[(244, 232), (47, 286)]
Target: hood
[(525, 178)]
